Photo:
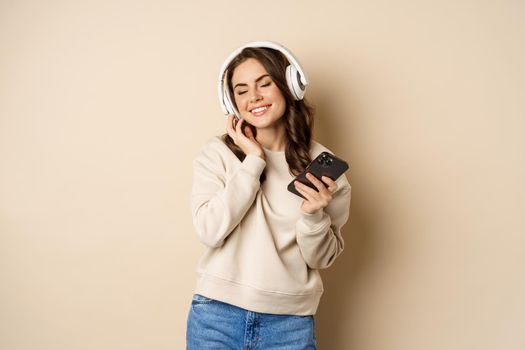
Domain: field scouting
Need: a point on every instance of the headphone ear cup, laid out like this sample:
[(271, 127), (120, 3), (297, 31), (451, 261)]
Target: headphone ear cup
[(229, 104), (294, 84)]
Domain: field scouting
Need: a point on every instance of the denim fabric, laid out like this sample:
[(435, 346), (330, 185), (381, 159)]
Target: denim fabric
[(213, 324)]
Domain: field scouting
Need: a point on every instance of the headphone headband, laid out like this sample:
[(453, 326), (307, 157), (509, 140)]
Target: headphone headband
[(300, 83)]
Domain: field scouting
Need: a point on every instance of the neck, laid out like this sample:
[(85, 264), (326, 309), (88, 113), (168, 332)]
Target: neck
[(272, 138)]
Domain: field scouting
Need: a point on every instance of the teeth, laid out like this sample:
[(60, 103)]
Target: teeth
[(259, 109)]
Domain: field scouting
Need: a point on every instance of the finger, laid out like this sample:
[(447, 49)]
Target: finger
[(316, 182), (324, 196), (306, 191), (238, 127), (299, 189), (248, 132), (332, 185), (316, 199)]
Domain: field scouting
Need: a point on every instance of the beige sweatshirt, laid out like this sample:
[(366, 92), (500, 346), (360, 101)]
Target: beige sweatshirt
[(263, 252)]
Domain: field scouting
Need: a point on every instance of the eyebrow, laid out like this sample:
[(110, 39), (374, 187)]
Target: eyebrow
[(256, 80)]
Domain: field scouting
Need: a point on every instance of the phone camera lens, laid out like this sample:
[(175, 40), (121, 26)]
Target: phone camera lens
[(324, 160)]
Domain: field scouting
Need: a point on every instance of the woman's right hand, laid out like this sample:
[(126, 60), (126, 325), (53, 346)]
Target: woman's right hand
[(245, 140)]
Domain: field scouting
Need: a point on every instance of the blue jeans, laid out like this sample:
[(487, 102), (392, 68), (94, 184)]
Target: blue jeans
[(213, 324)]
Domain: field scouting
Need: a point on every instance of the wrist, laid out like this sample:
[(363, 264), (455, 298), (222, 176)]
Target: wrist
[(312, 213), (314, 217)]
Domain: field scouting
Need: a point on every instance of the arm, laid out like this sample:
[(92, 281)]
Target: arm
[(219, 202), (319, 234)]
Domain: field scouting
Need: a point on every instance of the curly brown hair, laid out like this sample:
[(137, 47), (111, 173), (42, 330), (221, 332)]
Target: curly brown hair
[(298, 117)]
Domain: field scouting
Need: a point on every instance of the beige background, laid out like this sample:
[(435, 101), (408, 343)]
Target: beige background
[(104, 104)]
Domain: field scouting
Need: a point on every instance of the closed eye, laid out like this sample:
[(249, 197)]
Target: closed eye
[(264, 85)]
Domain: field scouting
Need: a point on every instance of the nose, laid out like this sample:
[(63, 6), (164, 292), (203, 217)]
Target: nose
[(255, 96)]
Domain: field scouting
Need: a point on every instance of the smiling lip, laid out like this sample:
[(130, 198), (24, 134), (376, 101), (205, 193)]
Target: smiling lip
[(258, 111)]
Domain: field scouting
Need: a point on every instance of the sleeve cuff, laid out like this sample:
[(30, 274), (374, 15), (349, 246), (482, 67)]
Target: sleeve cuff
[(253, 165)]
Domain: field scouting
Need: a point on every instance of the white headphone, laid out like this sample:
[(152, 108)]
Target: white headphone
[(295, 77)]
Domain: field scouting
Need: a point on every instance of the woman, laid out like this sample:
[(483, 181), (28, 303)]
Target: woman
[(258, 284)]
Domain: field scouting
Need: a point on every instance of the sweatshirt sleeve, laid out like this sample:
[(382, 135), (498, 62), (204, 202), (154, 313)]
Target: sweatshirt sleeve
[(219, 200), (319, 234)]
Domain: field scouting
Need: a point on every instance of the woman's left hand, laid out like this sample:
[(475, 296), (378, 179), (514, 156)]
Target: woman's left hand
[(316, 201)]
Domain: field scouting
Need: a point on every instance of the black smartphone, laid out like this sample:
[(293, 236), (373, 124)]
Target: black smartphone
[(325, 164)]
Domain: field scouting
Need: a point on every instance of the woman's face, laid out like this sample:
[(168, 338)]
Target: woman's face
[(258, 99)]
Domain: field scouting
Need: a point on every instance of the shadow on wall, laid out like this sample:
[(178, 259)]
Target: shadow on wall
[(337, 319)]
